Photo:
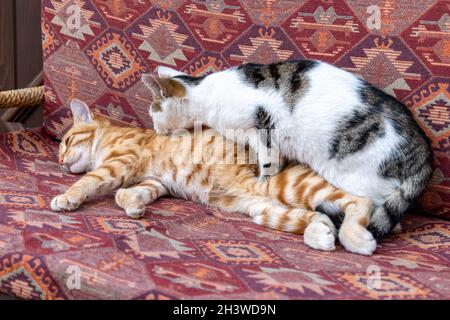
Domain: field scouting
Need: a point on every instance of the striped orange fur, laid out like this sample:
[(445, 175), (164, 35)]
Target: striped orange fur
[(143, 166)]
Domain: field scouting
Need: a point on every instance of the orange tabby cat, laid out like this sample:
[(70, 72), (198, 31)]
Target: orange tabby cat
[(144, 166)]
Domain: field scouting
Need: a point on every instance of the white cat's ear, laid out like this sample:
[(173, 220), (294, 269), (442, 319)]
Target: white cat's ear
[(151, 81), (80, 111), (163, 86), (166, 72)]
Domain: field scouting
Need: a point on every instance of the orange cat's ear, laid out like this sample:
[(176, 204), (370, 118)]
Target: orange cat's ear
[(80, 111), (164, 87)]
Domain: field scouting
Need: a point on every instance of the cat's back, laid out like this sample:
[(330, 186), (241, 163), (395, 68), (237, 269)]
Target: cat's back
[(117, 136), (293, 75), (116, 141), (289, 87)]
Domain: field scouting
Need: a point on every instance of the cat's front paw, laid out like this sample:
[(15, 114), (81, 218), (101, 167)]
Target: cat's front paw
[(320, 234), (65, 202), (131, 202), (357, 239)]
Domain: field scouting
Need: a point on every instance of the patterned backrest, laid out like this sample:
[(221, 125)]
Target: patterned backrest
[(96, 50)]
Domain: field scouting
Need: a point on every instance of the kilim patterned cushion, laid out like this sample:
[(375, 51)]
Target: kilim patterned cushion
[(96, 50), (181, 250)]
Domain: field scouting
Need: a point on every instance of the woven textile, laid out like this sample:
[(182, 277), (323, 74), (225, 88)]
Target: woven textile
[(181, 250), (96, 50)]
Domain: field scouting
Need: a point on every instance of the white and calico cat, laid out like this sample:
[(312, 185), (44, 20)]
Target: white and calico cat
[(357, 137)]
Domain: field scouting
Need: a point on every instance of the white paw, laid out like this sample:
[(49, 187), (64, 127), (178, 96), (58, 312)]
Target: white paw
[(131, 202), (319, 235), (357, 239), (64, 202)]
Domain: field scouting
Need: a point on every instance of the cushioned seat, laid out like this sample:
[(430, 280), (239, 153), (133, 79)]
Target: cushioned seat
[(97, 52), (183, 250)]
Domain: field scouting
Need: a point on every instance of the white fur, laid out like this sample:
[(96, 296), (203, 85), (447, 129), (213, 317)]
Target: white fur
[(166, 72), (357, 240), (320, 234), (223, 101)]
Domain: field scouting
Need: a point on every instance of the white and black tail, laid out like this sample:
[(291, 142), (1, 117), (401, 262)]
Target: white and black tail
[(385, 217)]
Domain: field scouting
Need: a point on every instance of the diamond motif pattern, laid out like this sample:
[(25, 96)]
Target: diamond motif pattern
[(76, 20), (96, 50), (429, 37), (119, 14), (215, 23), (324, 31), (387, 63), (162, 39), (116, 60), (261, 45)]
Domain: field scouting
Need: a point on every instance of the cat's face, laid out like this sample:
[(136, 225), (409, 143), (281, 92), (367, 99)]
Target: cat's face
[(168, 115), (75, 147), (170, 101)]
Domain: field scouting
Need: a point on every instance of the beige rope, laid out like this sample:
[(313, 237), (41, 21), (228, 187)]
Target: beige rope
[(21, 97)]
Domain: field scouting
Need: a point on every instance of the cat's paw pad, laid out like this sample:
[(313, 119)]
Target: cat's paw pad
[(131, 202), (320, 236), (63, 202), (357, 239)]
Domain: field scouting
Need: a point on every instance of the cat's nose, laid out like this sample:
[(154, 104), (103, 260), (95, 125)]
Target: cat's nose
[(61, 161)]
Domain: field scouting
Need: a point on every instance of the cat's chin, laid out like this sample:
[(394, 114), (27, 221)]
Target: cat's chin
[(73, 168)]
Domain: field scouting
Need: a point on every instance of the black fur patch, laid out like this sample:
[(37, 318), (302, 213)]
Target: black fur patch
[(289, 77), (407, 161), (336, 218), (412, 158), (253, 73), (296, 76), (361, 128), (263, 119), (191, 80), (275, 74), (264, 123), (410, 162)]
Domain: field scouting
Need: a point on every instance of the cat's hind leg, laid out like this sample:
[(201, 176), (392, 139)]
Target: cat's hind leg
[(320, 233), (134, 199), (353, 233), (318, 230)]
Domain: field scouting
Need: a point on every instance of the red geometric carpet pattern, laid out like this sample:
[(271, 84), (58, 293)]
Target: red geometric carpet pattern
[(182, 250), (97, 50)]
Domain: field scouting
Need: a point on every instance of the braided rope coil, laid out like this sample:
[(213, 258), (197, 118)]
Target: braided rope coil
[(21, 98)]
